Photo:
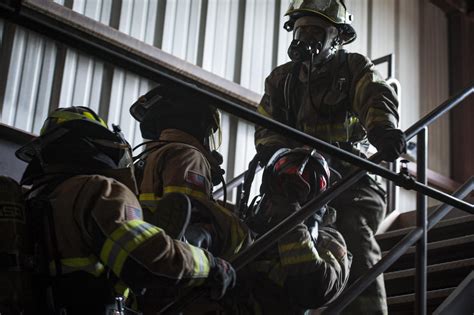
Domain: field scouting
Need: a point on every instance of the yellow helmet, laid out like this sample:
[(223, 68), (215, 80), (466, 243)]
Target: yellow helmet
[(73, 126), (74, 113), (334, 11)]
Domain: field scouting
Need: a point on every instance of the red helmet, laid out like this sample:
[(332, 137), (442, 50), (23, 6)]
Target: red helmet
[(298, 174)]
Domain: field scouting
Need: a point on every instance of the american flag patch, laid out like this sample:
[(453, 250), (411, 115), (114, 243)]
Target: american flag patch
[(132, 213), (196, 179)]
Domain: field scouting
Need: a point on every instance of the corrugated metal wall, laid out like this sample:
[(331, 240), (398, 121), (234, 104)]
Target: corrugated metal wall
[(240, 40)]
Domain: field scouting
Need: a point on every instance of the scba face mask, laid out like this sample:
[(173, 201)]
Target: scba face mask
[(315, 40)]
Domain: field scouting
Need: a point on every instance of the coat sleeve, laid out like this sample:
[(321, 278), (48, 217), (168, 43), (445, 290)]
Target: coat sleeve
[(315, 273), (272, 106), (373, 100), (138, 253)]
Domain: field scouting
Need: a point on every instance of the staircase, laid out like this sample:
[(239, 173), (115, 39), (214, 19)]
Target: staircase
[(450, 260)]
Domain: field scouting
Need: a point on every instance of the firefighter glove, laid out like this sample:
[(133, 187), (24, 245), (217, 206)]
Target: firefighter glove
[(222, 277), (390, 142)]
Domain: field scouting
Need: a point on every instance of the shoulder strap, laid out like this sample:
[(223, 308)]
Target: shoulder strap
[(344, 75), (289, 96), (41, 214)]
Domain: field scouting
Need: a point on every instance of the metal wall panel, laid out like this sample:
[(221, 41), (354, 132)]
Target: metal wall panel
[(434, 84), (137, 19), (221, 36), (284, 37), (181, 29), (362, 19), (383, 29), (258, 46), (83, 76), (29, 80)]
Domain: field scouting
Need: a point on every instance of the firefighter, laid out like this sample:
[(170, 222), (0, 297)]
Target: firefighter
[(93, 240), (180, 157), (310, 265), (340, 98)]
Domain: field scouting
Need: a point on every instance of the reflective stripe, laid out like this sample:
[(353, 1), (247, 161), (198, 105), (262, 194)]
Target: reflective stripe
[(294, 260), (148, 201), (296, 246), (185, 190), (262, 111), (341, 132), (122, 289), (201, 263), (272, 269), (123, 241), (149, 197), (90, 264), (297, 253), (377, 116)]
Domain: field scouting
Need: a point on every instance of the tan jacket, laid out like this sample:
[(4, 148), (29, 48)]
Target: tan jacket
[(181, 164), (99, 226), (348, 97)]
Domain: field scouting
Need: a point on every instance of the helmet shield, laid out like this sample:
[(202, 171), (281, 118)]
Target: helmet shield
[(169, 107)]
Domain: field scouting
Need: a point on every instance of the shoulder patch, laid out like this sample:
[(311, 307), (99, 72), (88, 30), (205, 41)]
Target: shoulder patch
[(196, 179), (133, 213)]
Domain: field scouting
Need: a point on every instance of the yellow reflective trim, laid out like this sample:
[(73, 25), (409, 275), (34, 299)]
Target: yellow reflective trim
[(262, 111), (201, 263), (106, 249), (124, 228), (62, 116), (148, 197), (79, 262), (119, 261), (89, 264), (294, 246), (135, 242), (122, 289), (293, 260), (185, 190)]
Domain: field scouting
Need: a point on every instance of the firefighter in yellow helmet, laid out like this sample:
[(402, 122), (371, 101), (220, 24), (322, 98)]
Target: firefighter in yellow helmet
[(340, 98), (94, 242)]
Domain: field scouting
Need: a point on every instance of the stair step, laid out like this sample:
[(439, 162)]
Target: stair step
[(405, 304), (445, 229), (438, 252), (440, 276)]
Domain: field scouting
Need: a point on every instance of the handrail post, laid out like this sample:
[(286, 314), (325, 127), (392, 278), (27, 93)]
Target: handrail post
[(421, 222)]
